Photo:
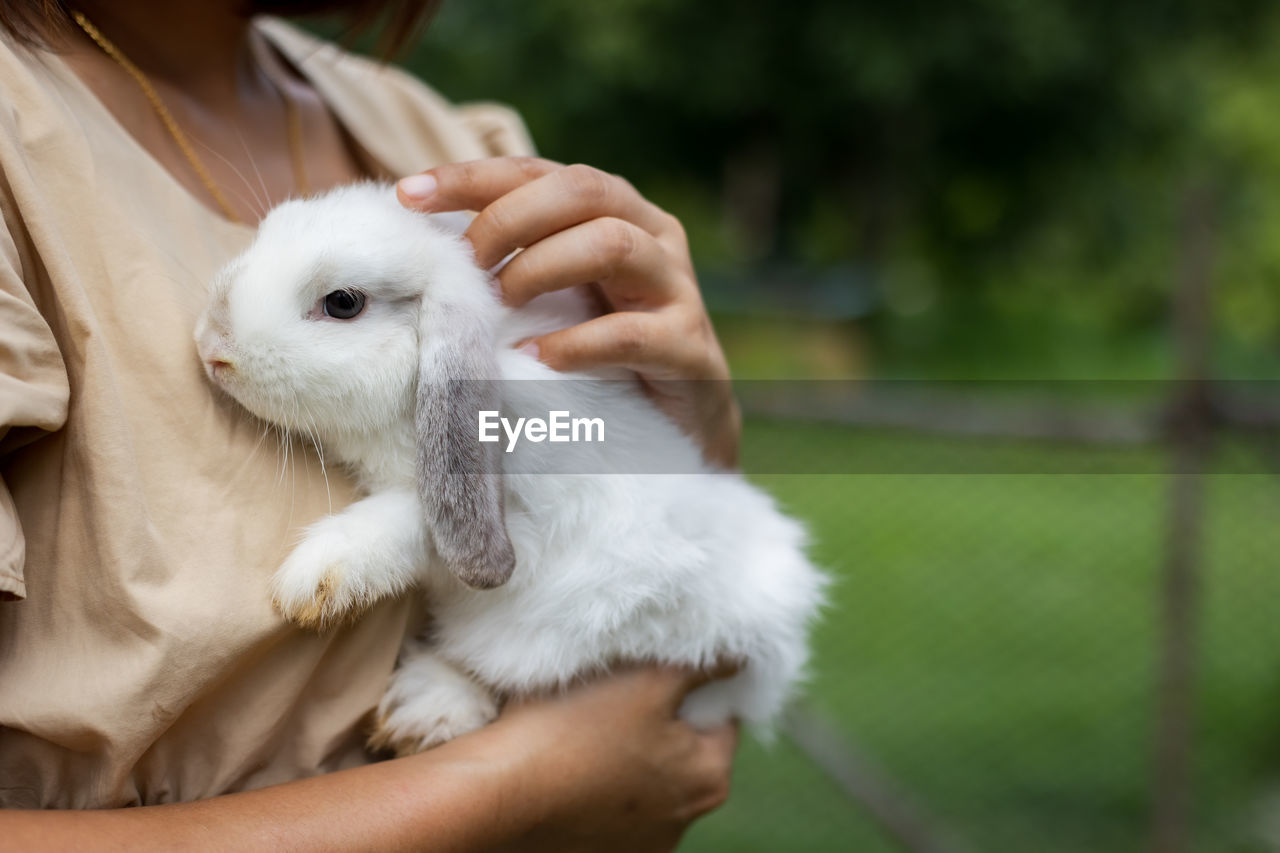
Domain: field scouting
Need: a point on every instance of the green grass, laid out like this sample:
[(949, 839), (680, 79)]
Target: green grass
[(991, 644)]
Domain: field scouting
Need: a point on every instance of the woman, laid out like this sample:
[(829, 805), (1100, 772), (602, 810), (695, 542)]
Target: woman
[(139, 143)]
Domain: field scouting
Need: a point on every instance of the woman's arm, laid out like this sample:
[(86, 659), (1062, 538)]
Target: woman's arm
[(604, 766), (578, 225)]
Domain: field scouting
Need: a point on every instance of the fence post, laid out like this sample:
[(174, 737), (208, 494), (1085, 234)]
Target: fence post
[(1191, 421)]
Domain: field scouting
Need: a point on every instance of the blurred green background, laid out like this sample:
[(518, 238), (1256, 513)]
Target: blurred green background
[(988, 187), (943, 189)]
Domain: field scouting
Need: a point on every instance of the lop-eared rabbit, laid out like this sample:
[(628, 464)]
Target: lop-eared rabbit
[(369, 329)]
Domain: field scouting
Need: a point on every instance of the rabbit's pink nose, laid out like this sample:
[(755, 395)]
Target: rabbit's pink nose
[(218, 365)]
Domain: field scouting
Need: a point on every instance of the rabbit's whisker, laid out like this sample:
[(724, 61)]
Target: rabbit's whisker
[(251, 201), (266, 194), (315, 442)]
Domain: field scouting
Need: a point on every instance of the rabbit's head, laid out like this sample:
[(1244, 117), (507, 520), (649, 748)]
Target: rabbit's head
[(350, 316)]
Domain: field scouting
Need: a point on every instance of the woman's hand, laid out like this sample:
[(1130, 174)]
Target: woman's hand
[(609, 766), (576, 226)]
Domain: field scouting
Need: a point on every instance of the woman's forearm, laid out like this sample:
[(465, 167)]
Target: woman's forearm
[(455, 797), (603, 766)]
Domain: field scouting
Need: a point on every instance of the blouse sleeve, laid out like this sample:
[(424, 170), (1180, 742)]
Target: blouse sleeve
[(34, 395), (498, 127)]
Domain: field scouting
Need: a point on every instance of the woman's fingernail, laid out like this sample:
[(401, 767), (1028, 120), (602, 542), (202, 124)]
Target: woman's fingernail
[(529, 348), (418, 187)]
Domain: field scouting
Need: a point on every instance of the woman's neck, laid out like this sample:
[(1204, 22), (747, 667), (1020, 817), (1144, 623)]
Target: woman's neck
[(225, 87), (199, 46)]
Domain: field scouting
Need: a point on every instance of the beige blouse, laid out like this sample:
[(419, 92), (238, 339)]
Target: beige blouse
[(141, 515)]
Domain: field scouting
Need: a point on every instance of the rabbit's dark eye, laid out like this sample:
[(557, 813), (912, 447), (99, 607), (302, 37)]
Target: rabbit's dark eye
[(343, 304)]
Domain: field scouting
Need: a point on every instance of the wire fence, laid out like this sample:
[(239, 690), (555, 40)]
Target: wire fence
[(1054, 624)]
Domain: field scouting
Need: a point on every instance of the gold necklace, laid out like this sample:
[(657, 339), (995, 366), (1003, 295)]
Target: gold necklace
[(166, 118)]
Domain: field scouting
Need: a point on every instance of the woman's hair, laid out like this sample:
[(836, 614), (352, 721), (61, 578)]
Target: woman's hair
[(396, 22)]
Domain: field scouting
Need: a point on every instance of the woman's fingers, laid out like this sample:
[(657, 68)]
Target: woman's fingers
[(715, 751), (554, 202), (722, 669), (675, 683), (576, 224), (622, 258), (642, 341), (522, 200), (722, 740), (471, 185)]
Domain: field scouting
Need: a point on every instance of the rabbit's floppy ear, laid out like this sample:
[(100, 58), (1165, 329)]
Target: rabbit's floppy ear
[(459, 478)]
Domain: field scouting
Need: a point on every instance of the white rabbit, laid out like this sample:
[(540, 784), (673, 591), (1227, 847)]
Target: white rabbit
[(368, 327)]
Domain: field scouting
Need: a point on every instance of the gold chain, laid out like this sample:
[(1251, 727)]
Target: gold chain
[(166, 118)]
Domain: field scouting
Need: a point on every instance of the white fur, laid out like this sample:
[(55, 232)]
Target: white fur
[(429, 702), (683, 568)]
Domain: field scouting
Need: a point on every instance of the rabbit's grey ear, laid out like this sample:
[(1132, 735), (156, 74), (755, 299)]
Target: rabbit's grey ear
[(460, 478)]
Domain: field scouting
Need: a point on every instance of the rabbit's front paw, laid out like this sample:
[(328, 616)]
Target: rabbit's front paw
[(318, 585), (417, 714)]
